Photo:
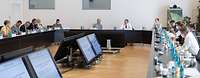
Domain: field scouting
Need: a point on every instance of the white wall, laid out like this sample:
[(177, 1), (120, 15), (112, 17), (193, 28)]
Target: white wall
[(5, 11), (140, 12), (11, 10)]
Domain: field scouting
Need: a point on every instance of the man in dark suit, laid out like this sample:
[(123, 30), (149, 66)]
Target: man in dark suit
[(23, 28), (33, 26)]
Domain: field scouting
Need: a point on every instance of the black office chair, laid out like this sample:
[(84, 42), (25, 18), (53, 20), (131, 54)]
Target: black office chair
[(1, 27)]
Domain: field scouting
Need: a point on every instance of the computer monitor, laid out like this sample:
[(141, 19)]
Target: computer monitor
[(68, 42), (43, 64), (14, 69), (95, 44), (86, 49)]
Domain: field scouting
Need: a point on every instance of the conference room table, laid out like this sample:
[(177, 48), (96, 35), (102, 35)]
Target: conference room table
[(165, 58), (119, 38)]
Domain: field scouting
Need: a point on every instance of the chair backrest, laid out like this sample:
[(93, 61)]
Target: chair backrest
[(198, 57), (1, 27)]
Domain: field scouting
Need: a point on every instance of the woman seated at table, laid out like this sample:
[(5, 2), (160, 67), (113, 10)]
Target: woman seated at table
[(126, 25), (40, 26), (6, 29)]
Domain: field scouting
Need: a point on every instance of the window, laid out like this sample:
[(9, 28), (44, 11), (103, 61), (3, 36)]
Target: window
[(41, 4), (96, 4)]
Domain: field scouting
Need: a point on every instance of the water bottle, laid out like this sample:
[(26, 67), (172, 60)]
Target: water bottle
[(181, 71), (108, 44), (9, 34)]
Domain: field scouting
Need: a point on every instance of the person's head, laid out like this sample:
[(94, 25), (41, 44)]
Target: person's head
[(19, 22), (157, 20), (27, 23), (179, 24), (57, 21), (38, 21), (126, 21), (192, 27), (7, 23), (98, 21), (172, 23), (34, 21), (183, 29)]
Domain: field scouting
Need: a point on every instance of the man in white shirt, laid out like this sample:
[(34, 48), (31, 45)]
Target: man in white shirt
[(190, 41), (126, 25)]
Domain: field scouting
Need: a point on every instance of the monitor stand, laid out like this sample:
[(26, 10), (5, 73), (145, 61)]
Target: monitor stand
[(67, 61), (98, 60)]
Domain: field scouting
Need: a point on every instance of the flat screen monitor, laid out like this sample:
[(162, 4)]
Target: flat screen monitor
[(64, 50), (14, 69), (95, 44), (86, 49), (43, 64)]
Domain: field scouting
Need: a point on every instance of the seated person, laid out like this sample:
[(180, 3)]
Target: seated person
[(1, 27), (6, 28), (23, 28), (126, 25), (172, 24), (157, 24), (57, 24), (179, 36), (33, 26), (98, 25), (192, 28), (16, 28), (40, 26), (190, 41)]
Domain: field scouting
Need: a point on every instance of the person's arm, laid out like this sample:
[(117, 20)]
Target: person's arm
[(36, 26), (94, 26), (61, 26), (29, 27), (187, 43), (132, 28), (13, 29), (21, 28), (101, 27), (3, 30), (122, 27)]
